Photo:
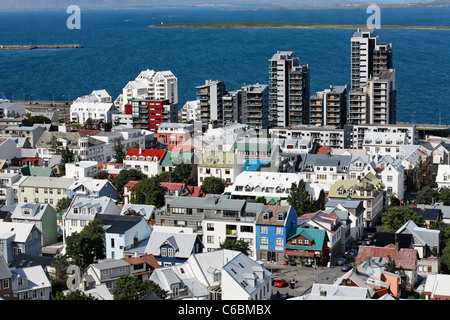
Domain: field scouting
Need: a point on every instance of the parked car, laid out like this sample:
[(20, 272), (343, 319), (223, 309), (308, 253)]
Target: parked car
[(346, 267), (341, 261), (279, 283)]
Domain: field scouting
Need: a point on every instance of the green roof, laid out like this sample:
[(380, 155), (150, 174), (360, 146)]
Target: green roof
[(36, 171), (218, 160), (369, 182), (315, 236), (174, 158)]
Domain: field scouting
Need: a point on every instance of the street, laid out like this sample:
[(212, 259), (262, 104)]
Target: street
[(305, 276)]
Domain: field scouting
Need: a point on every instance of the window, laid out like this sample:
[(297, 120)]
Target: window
[(5, 284), (279, 242), (170, 252), (389, 178), (210, 226), (264, 241), (210, 239), (112, 243), (264, 229), (279, 230), (163, 252)]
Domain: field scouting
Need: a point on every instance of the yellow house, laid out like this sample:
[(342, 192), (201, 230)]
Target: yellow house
[(43, 189)]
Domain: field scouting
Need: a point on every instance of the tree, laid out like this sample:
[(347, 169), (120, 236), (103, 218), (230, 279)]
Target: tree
[(60, 265), (63, 204), (67, 156), (389, 266), (74, 295), (54, 145), (165, 176), (237, 245), (394, 201), (119, 152), (396, 217), (427, 195), (124, 177), (129, 287), (213, 185), (301, 200), (261, 199), (444, 197), (89, 124), (148, 191), (182, 174), (102, 174), (39, 119), (86, 247)]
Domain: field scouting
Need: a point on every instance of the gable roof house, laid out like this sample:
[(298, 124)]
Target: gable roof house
[(5, 279), (443, 176), (83, 210), (216, 275), (19, 238), (369, 189), (307, 247), (328, 222), (31, 283), (172, 248), (427, 244), (106, 272), (437, 287), (148, 161), (406, 260), (123, 232), (42, 215), (142, 266), (92, 188)]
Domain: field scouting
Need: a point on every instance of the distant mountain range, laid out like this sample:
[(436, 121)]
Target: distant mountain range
[(261, 4)]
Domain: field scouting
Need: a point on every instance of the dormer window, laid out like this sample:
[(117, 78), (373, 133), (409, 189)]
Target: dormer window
[(75, 210), (280, 217), (26, 211)]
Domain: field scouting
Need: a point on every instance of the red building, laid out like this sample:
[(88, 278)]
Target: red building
[(148, 114)]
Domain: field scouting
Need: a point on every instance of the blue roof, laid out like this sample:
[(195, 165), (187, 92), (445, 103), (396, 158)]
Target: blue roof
[(253, 164)]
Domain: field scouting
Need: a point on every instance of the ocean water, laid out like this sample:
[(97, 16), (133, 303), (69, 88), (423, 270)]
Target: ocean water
[(118, 44)]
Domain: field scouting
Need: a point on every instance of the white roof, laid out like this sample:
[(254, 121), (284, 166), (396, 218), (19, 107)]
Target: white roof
[(183, 243), (35, 275), (21, 230), (51, 182), (438, 285)]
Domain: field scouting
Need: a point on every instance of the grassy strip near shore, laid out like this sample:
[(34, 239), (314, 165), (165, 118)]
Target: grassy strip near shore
[(259, 24)]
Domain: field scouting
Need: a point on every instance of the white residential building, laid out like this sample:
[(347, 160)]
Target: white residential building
[(31, 283), (81, 169), (96, 106), (146, 160), (383, 143), (226, 166), (84, 210), (8, 195), (443, 176), (190, 110), (158, 85)]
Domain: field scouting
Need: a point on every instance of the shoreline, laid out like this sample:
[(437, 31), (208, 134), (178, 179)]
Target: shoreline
[(260, 24)]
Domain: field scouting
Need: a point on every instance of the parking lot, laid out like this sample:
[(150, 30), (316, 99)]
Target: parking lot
[(305, 277)]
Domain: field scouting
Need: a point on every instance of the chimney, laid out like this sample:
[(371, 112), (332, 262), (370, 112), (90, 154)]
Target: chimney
[(397, 244), (423, 206), (140, 150)]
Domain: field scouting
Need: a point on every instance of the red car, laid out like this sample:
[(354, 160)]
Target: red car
[(279, 283)]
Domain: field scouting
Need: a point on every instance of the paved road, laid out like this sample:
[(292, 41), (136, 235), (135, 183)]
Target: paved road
[(305, 277)]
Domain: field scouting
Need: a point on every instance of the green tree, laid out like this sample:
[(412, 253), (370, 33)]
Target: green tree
[(132, 288), (60, 265), (102, 174), (39, 119), (301, 200), (165, 176), (63, 204), (86, 247), (394, 201), (427, 195), (148, 191), (261, 199), (67, 156), (389, 266), (54, 145), (74, 295), (396, 217), (89, 124), (444, 197), (237, 245), (125, 176), (213, 185), (119, 152), (182, 173)]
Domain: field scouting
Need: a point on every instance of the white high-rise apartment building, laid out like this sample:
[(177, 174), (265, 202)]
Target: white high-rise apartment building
[(288, 90), (150, 84)]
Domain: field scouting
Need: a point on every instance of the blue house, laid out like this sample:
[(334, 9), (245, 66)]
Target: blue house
[(19, 237), (273, 226), (170, 248), (92, 187)]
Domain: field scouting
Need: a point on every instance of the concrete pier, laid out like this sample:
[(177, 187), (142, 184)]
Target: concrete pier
[(39, 46)]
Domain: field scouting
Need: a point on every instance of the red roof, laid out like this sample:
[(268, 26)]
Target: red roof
[(146, 153), (405, 258), (171, 185), (131, 184), (323, 150), (89, 132)]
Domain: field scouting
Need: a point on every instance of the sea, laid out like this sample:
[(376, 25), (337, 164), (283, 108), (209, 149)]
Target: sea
[(118, 45)]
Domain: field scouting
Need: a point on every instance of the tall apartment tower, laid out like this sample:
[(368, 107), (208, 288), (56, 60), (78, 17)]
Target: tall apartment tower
[(376, 102), (368, 57), (329, 107), (248, 105), (211, 103), (288, 90)]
